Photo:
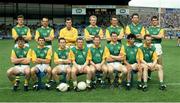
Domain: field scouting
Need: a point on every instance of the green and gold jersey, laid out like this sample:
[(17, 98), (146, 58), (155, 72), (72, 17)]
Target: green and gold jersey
[(61, 54), (80, 56), (149, 54), (117, 29), (132, 54), (45, 32), (99, 54), (114, 49), (136, 29), (43, 53), (20, 31), (152, 30), (92, 31), (21, 53)]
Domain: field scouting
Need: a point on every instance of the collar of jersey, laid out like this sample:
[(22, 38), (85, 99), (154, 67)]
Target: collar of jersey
[(44, 27), (19, 26), (135, 24), (113, 43), (62, 49), (39, 46), (21, 48), (70, 29), (92, 26), (114, 26), (144, 45), (78, 48), (154, 26), (95, 46)]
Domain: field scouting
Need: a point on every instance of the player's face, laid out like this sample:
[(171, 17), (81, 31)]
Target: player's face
[(154, 22), (45, 22), (68, 23), (20, 21), (20, 43), (80, 44), (131, 41), (148, 41), (135, 19), (41, 42), (114, 21), (96, 41), (114, 37), (93, 21), (62, 44)]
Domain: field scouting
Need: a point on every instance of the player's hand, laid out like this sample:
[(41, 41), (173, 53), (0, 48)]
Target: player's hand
[(91, 36), (68, 61), (129, 67), (48, 39), (138, 36), (149, 66), (121, 57)]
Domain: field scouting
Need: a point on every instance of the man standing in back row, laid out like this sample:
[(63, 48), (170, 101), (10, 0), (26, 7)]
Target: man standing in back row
[(69, 33), (137, 29), (92, 30), (45, 32), (114, 28)]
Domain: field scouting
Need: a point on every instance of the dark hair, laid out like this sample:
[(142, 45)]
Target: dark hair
[(131, 36), (134, 14), (20, 38), (97, 36), (79, 39), (41, 38), (147, 35), (20, 16), (61, 39), (45, 18), (113, 33), (114, 16), (154, 17), (68, 19)]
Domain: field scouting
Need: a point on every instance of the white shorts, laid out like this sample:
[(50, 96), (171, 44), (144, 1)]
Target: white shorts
[(79, 67), (49, 46), (71, 46), (63, 67), (158, 49), (42, 67), (21, 68), (118, 66), (89, 45), (138, 44), (26, 44)]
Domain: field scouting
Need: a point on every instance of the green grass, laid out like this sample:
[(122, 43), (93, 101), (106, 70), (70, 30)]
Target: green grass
[(171, 71)]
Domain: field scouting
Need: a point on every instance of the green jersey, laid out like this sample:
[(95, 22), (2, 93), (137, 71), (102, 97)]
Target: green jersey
[(131, 54), (45, 32), (80, 55), (93, 31), (63, 54), (21, 30), (154, 31), (148, 53), (97, 54), (41, 52), (136, 29), (114, 49), (21, 52)]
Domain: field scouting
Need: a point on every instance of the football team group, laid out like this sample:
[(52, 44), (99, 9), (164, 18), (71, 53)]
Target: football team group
[(109, 65)]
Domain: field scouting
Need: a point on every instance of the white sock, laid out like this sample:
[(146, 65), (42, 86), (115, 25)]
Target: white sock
[(74, 83)]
